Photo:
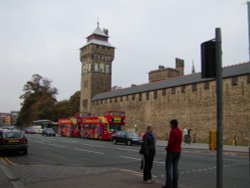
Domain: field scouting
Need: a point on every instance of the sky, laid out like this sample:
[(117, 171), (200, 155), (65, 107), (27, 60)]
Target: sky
[(44, 37)]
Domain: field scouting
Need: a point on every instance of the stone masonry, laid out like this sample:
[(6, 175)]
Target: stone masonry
[(193, 105)]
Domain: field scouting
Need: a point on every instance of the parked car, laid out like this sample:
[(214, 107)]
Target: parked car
[(13, 140), (48, 132), (126, 137), (29, 131)]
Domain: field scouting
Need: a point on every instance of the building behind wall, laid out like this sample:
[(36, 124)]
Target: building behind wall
[(188, 98), (163, 73)]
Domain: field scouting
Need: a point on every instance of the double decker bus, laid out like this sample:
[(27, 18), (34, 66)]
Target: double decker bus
[(69, 127), (102, 126)]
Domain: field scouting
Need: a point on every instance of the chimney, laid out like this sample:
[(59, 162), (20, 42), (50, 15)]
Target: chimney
[(161, 67), (179, 65)]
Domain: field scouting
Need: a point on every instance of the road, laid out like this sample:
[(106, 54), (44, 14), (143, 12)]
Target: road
[(57, 156)]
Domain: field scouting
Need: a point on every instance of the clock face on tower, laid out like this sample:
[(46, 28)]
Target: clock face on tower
[(101, 67), (96, 67), (107, 69)]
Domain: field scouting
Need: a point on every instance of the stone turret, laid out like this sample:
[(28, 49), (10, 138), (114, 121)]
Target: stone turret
[(96, 57)]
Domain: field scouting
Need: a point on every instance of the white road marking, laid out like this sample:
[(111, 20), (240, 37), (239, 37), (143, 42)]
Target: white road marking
[(96, 152), (128, 149), (137, 159), (57, 145), (212, 168), (98, 146), (135, 172), (159, 162), (70, 142), (37, 142), (125, 157)]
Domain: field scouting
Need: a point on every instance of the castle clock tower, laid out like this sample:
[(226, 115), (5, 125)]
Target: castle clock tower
[(96, 58)]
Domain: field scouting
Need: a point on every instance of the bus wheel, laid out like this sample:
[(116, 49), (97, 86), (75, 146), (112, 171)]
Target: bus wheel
[(114, 141), (129, 143)]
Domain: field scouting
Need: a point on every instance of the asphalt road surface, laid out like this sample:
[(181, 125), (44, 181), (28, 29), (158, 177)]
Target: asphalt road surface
[(197, 167)]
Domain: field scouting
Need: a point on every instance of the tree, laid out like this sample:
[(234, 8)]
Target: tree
[(38, 101), (68, 108), (75, 102), (63, 110)]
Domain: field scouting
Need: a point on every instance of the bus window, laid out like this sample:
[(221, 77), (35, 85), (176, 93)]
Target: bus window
[(115, 127)]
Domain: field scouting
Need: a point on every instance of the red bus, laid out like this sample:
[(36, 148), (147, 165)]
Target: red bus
[(102, 126), (69, 127)]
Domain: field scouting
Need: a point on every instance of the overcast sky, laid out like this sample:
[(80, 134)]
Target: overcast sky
[(44, 37)]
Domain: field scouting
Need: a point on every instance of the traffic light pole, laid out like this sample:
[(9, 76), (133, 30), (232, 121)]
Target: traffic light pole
[(219, 100)]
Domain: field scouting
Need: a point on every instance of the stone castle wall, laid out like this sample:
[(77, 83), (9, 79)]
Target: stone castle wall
[(193, 105)]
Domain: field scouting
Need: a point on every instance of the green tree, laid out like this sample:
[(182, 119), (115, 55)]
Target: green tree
[(75, 102), (68, 108), (38, 101), (63, 110)]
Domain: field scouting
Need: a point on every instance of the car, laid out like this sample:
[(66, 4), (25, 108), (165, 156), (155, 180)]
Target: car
[(48, 132), (29, 131), (126, 137), (13, 140)]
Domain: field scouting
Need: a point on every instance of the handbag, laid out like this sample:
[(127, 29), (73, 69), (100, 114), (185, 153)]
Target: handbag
[(141, 150)]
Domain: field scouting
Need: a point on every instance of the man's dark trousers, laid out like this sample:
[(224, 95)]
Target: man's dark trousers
[(172, 160), (148, 159)]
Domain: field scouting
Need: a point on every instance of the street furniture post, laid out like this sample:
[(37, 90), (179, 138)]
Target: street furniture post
[(219, 100), (211, 63)]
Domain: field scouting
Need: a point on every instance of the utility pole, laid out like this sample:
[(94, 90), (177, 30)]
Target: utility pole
[(219, 100), (211, 56), (248, 11)]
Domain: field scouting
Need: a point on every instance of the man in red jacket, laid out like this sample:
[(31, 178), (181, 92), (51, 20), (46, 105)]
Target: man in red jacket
[(173, 155)]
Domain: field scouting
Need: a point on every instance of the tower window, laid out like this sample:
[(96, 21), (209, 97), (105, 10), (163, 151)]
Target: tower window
[(248, 78)]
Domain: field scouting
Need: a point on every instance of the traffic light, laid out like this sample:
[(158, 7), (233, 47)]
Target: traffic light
[(208, 61)]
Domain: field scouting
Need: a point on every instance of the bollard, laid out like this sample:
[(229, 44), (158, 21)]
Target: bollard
[(212, 140)]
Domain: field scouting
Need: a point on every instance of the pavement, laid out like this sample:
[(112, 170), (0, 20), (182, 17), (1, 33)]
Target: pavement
[(202, 146), (49, 176)]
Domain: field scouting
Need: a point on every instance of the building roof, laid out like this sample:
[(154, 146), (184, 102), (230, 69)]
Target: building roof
[(99, 42), (98, 31), (235, 70), (163, 69)]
